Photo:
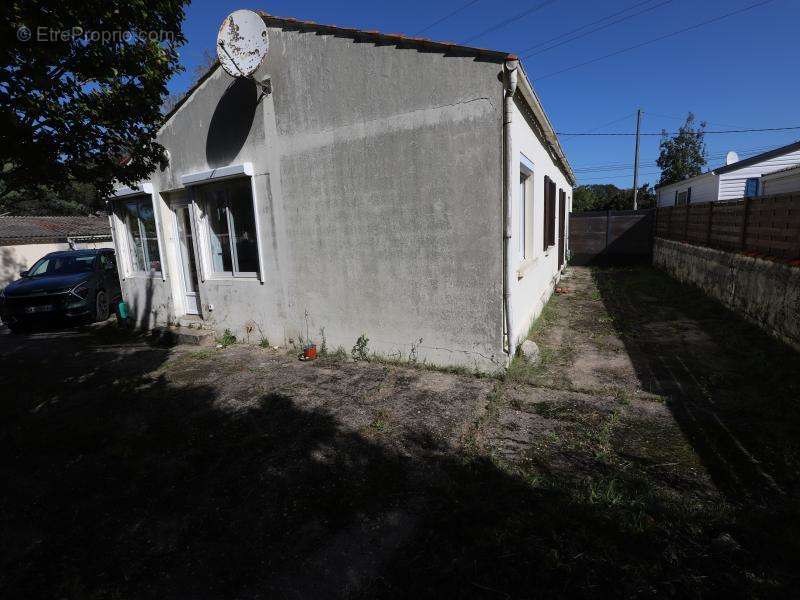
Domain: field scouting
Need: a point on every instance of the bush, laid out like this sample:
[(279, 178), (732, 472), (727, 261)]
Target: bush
[(227, 339)]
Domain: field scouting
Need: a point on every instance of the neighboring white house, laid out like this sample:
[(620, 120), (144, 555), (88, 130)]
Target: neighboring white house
[(737, 179), (366, 183), (782, 181), (24, 240)]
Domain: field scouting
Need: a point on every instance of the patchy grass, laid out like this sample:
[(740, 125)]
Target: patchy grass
[(643, 489)]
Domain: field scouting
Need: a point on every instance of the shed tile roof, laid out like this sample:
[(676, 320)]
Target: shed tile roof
[(392, 38), (52, 228), (784, 170)]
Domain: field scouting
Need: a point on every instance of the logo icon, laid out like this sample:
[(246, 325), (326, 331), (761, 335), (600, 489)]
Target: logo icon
[(23, 34)]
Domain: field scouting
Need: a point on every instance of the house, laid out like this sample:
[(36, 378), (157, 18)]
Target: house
[(782, 181), (410, 190), (736, 179), (24, 240)]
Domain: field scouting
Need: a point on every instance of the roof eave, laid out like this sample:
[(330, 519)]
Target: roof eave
[(544, 122), (706, 174)]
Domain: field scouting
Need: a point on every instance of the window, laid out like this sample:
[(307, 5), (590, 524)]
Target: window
[(751, 187), (525, 244), (683, 198), (231, 228), (142, 234)]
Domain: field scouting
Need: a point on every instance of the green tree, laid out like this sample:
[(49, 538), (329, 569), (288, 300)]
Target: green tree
[(81, 88), (684, 154), (610, 197)]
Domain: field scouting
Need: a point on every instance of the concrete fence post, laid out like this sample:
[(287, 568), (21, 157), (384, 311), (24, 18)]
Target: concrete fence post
[(686, 223), (745, 210), (710, 223), (669, 224)]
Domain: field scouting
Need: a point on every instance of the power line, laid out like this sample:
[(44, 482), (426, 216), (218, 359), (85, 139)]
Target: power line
[(510, 20), (614, 178), (656, 39), (577, 29), (684, 118), (628, 116), (691, 133), (447, 16), (610, 167), (596, 29)]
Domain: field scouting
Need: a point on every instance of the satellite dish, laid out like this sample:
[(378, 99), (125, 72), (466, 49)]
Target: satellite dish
[(731, 158), (242, 43)]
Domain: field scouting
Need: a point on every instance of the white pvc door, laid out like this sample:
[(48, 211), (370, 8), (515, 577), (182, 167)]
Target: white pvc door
[(188, 265)]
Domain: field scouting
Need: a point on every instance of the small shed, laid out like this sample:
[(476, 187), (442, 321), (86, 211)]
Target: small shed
[(782, 182), (25, 239)]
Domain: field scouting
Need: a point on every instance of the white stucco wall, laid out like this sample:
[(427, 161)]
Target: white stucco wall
[(532, 280), (21, 257)]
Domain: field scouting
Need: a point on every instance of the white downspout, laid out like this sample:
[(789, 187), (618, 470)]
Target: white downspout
[(510, 87)]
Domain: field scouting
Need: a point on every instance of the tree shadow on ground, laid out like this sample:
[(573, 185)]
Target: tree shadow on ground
[(732, 388), (121, 483)]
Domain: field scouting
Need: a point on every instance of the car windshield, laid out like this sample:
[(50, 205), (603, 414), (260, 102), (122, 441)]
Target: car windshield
[(63, 265)]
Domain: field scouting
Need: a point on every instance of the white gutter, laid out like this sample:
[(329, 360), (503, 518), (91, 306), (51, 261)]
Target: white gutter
[(509, 88)]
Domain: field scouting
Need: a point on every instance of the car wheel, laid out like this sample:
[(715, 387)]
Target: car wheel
[(101, 311)]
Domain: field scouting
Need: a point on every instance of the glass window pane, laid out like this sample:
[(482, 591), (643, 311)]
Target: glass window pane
[(219, 237), (40, 268), (148, 220), (522, 202), (131, 219), (244, 227)]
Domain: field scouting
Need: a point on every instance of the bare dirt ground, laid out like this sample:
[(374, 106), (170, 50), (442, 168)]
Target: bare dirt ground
[(654, 452)]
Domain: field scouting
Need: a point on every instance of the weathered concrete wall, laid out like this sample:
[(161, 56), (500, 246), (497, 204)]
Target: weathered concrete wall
[(378, 172), (149, 301), (764, 292)]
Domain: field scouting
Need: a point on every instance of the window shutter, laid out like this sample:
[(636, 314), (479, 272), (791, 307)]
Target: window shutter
[(689, 196), (546, 220)]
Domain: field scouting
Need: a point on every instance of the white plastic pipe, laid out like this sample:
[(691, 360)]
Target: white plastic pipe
[(510, 87)]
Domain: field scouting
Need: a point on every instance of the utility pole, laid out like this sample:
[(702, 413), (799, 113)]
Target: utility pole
[(636, 162)]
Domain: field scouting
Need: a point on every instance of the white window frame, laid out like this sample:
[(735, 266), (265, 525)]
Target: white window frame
[(234, 272), (525, 207), (206, 266), (121, 233)]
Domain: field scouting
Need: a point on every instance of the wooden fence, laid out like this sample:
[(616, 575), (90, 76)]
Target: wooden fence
[(611, 237), (767, 225)]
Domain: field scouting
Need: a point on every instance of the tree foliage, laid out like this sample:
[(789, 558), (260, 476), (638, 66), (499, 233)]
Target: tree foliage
[(610, 197), (684, 154), (80, 94)]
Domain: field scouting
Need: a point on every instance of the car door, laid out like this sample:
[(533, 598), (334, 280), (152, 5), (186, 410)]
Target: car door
[(108, 264)]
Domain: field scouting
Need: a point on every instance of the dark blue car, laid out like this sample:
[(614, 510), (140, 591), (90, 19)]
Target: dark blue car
[(72, 284)]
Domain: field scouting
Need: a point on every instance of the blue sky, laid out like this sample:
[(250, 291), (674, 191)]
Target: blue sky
[(740, 72)]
